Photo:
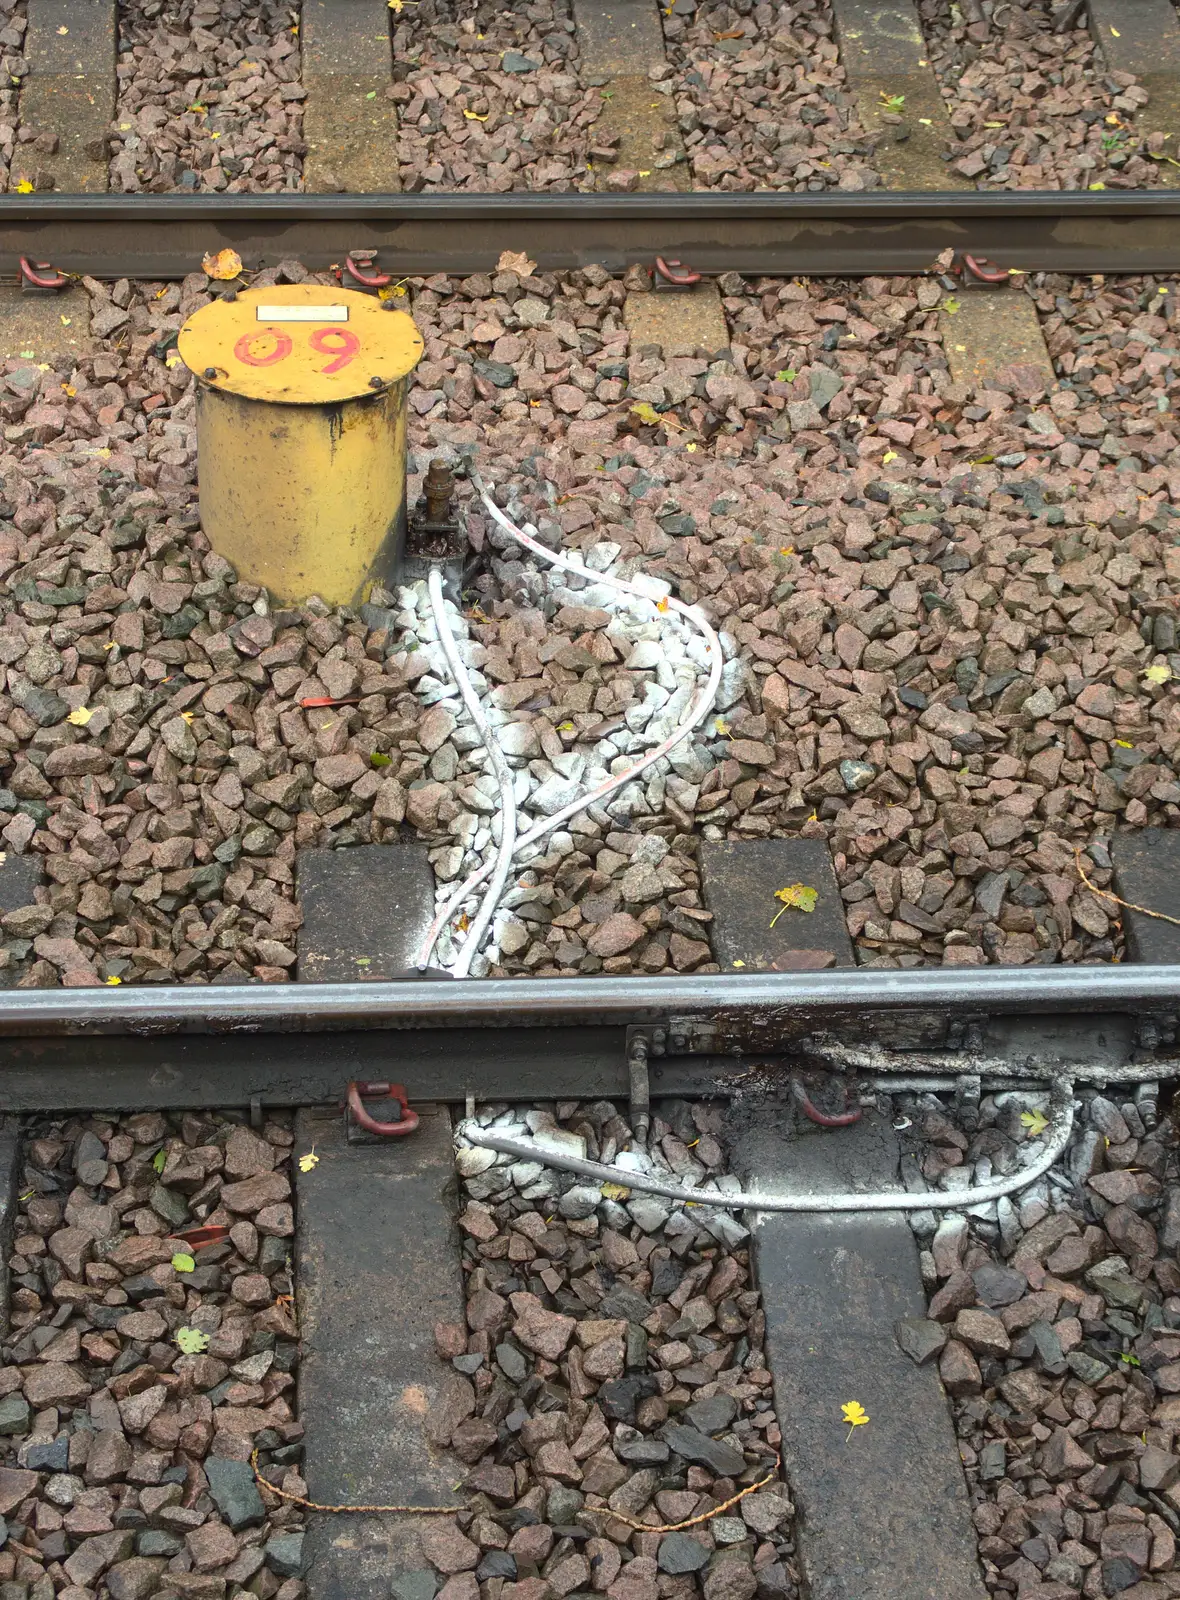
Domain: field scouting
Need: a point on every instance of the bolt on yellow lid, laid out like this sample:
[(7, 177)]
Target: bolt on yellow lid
[(299, 344)]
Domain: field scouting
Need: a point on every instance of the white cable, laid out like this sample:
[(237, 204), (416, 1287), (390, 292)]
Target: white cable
[(502, 771), (700, 708), (924, 1200)]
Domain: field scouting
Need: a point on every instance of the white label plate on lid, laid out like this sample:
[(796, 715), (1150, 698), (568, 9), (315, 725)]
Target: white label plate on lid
[(301, 313)]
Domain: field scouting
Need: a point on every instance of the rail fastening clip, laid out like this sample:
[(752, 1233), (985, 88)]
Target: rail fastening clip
[(405, 1123), (673, 276), (979, 272), (824, 1119), (360, 266), (41, 277)]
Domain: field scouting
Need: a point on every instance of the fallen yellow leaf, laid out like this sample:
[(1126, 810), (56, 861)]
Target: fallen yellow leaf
[(224, 266), (890, 455), (113, 981), (474, 116), (80, 717), (797, 897), (614, 1191), (24, 187), (1035, 1121), (854, 1415), (516, 261), (310, 1160), (1160, 673)]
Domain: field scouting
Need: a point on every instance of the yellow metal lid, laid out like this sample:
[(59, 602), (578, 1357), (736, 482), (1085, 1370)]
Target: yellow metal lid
[(299, 344)]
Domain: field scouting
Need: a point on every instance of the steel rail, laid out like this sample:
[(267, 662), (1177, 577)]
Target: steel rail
[(165, 236), (748, 1006)]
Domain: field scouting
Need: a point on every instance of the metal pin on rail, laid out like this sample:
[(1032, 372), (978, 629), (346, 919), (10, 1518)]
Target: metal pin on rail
[(640, 1086)]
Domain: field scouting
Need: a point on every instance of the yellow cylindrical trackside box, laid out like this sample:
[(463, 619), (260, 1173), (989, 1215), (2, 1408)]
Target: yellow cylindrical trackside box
[(301, 436)]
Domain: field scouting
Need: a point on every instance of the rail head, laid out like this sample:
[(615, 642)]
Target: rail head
[(754, 1007)]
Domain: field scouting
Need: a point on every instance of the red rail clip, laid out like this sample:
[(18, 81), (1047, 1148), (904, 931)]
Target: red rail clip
[(359, 266), (40, 277), (389, 1091), (673, 274), (979, 270), (823, 1119)]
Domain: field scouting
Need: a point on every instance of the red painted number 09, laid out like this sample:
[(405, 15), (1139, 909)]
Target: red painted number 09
[(343, 350), (342, 345), (244, 349)]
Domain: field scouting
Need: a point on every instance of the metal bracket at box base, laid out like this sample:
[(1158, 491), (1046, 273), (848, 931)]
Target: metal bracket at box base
[(434, 535)]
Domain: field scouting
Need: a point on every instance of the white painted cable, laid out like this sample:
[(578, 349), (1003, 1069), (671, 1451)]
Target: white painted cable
[(502, 771), (701, 706), (923, 1200)]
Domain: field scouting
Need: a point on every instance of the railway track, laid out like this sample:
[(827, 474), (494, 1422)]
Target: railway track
[(771, 235), (570, 1304), (710, 1253)]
